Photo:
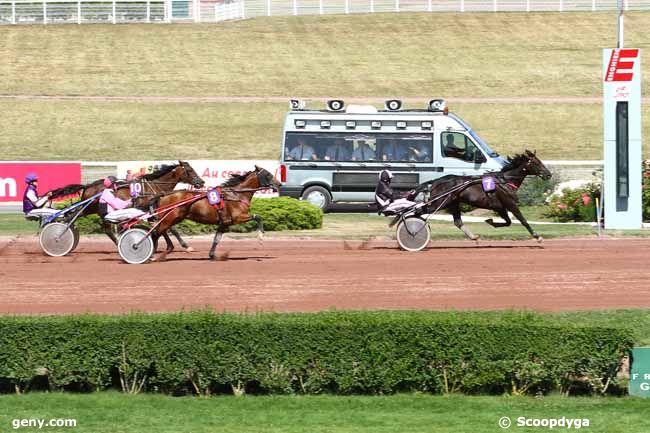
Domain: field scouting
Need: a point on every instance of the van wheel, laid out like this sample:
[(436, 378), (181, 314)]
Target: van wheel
[(318, 196)]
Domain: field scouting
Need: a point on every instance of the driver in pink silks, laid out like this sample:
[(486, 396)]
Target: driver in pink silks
[(116, 209)]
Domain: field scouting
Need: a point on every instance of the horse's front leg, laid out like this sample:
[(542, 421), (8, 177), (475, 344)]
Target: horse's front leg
[(184, 244), (260, 226), (215, 242), (503, 214), (517, 213), (454, 208)]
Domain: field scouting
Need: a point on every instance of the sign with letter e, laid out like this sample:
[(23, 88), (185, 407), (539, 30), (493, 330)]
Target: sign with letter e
[(640, 372)]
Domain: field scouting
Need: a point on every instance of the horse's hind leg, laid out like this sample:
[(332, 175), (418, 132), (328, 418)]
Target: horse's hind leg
[(517, 213), (215, 242), (458, 222), (108, 229), (184, 244)]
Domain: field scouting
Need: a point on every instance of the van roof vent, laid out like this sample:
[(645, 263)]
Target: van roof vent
[(361, 109)]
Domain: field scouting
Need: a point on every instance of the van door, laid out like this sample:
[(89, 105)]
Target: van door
[(459, 155)]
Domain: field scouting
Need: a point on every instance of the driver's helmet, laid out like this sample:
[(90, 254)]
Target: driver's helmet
[(385, 176), (109, 181), (31, 177)]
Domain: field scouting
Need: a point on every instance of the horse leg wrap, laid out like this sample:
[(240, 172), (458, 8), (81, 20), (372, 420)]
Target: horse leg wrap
[(468, 232)]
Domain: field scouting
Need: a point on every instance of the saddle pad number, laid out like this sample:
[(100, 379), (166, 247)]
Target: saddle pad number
[(136, 189), (489, 183), (214, 198)]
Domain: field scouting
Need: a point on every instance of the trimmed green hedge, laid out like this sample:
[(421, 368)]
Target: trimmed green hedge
[(279, 213), (334, 352)]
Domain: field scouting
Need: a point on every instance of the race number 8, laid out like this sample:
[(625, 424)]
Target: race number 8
[(136, 189), (213, 197)]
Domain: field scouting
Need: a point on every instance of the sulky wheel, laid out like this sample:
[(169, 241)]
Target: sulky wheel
[(135, 246), (57, 239), (413, 234)]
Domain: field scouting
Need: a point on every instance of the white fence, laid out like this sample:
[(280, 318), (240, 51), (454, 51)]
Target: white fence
[(125, 11)]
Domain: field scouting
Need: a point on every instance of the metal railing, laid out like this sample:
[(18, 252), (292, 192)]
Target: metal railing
[(125, 11)]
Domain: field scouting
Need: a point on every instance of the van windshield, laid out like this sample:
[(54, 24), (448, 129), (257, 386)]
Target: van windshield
[(486, 147), (358, 147)]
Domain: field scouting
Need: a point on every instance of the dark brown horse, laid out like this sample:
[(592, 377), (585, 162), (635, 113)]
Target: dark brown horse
[(502, 200), (161, 181), (237, 194)]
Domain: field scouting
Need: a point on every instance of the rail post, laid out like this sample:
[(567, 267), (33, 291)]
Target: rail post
[(372, 6), (429, 6), (268, 8), (295, 7), (78, 11), (148, 11), (320, 7), (347, 6), (44, 11), (396, 5), (13, 12)]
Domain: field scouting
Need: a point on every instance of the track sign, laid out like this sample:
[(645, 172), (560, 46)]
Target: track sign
[(136, 189), (214, 197)]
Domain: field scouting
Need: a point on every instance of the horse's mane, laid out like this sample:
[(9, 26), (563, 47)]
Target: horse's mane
[(236, 179), (158, 173), (515, 162)]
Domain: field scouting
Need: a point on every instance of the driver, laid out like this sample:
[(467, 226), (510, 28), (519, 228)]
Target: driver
[(33, 205), (387, 200), (116, 208)]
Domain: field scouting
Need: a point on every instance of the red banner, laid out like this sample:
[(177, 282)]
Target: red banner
[(51, 175)]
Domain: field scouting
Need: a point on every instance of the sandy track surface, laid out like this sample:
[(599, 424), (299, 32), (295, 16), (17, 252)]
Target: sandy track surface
[(310, 275)]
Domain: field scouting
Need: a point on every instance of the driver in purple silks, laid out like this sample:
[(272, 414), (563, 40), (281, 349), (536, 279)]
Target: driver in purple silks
[(117, 209), (34, 206)]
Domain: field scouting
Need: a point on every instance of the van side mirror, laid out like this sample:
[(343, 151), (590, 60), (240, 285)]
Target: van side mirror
[(479, 158)]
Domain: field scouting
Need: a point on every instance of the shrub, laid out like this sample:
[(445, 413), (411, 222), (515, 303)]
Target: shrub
[(645, 191), (338, 352), (280, 213), (533, 191), (575, 204)]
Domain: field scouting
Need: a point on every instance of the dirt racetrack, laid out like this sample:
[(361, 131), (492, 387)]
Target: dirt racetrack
[(310, 275)]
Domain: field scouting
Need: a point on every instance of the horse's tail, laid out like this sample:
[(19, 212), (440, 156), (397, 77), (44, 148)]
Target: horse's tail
[(67, 190)]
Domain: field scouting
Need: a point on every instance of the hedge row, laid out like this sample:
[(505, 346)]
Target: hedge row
[(334, 352), (280, 213)]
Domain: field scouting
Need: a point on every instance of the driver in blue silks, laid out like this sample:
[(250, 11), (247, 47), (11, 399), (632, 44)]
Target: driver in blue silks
[(387, 200)]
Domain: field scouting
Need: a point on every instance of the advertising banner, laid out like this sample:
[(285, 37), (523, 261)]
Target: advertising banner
[(213, 172), (51, 175)]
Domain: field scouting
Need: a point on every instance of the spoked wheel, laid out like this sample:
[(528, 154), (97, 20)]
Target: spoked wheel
[(75, 232), (413, 234), (135, 246), (57, 239)]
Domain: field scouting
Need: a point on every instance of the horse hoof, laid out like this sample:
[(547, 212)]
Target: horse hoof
[(489, 221), (154, 259), (189, 250), (540, 240)]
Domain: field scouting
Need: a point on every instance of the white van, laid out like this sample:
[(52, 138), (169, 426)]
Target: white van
[(335, 155)]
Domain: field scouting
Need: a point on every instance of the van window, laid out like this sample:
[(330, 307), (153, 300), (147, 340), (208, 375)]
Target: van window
[(361, 147), (459, 146)]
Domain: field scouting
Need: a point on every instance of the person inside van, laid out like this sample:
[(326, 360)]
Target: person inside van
[(386, 199), (391, 150), (302, 152), (339, 151), (363, 152), (419, 152), (450, 149)]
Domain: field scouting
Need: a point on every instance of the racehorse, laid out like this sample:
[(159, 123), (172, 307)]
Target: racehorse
[(160, 181), (236, 195), (502, 200)]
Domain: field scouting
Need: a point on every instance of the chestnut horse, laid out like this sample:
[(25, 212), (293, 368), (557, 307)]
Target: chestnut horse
[(160, 181), (236, 196), (502, 199)]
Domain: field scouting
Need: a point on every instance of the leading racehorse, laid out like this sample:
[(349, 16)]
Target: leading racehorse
[(471, 190), (233, 208), (160, 181)]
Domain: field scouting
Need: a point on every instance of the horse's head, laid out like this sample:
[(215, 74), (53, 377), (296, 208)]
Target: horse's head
[(266, 179), (186, 174), (534, 166)]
